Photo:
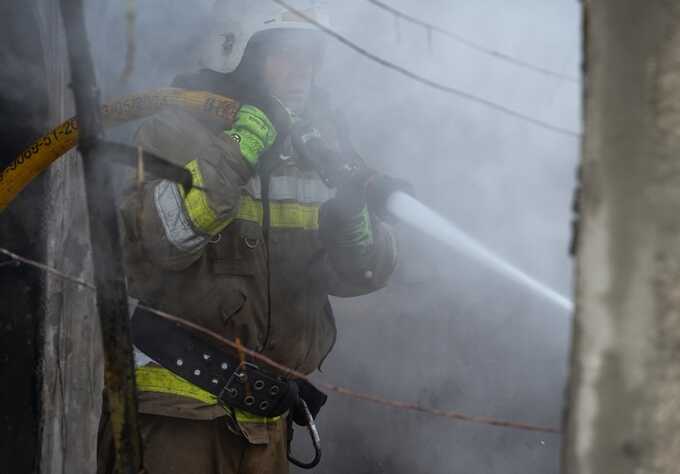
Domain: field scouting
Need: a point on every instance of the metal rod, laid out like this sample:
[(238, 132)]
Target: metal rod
[(106, 247), (154, 165)]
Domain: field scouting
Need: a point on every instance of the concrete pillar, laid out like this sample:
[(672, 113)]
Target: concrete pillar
[(624, 396), (72, 356)]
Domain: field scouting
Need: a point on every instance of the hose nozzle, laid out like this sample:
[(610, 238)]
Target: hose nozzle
[(379, 188), (346, 170)]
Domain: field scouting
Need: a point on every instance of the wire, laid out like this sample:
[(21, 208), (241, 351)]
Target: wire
[(471, 44), (405, 406), (428, 82)]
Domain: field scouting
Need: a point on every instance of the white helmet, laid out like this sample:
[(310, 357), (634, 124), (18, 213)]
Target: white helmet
[(237, 21)]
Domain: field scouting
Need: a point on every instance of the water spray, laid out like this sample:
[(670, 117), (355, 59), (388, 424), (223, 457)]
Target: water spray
[(412, 212)]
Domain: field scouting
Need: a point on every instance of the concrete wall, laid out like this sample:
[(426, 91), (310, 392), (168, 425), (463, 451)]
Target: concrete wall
[(625, 380)]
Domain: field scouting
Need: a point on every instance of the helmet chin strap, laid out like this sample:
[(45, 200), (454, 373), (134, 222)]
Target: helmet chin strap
[(292, 113), (295, 111)]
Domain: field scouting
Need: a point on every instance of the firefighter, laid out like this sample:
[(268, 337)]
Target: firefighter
[(216, 256)]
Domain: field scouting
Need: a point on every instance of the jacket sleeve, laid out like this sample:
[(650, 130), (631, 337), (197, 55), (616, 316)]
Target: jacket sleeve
[(172, 225), (355, 271)]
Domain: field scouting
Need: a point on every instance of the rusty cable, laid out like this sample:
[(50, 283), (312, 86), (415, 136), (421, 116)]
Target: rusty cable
[(428, 82), (430, 27)]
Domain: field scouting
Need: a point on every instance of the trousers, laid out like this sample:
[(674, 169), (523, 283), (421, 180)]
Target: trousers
[(184, 446)]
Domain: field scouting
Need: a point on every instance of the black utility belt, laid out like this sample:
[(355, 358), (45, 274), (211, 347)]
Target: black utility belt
[(213, 368)]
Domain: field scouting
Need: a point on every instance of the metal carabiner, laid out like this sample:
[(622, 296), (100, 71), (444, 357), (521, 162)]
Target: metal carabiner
[(316, 441), (251, 243)]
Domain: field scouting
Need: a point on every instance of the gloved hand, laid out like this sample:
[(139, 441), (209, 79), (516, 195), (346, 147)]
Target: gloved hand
[(314, 152), (258, 124), (253, 131), (344, 220)]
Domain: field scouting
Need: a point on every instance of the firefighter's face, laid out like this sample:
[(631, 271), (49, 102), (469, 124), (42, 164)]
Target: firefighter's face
[(289, 70)]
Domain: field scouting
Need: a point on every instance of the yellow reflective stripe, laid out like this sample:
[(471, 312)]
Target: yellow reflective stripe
[(158, 379), (197, 206), (250, 210), (287, 215), (294, 215), (282, 214), (245, 417)]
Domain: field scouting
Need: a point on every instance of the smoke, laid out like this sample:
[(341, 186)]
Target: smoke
[(446, 332)]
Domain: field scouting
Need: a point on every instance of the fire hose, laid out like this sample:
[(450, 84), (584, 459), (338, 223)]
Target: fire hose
[(49, 147)]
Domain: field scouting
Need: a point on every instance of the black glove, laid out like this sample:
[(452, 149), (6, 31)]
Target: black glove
[(334, 168), (357, 185)]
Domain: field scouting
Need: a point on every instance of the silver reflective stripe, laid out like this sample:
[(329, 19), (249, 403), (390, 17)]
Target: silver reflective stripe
[(291, 188), (176, 224), (141, 359)]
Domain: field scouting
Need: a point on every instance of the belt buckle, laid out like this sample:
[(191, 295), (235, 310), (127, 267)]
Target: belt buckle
[(247, 389)]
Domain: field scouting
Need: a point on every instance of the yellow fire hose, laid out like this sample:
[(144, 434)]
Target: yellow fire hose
[(48, 148)]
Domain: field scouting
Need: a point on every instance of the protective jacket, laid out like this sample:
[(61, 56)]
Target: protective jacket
[(204, 257)]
